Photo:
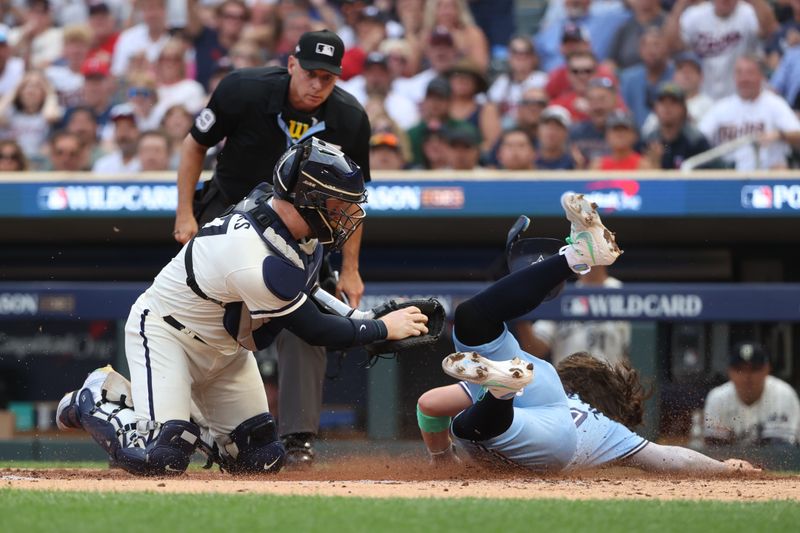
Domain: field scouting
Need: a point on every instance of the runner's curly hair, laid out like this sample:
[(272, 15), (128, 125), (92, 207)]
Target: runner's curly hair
[(614, 390)]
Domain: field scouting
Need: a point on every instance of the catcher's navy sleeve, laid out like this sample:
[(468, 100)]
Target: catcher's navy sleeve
[(321, 329)]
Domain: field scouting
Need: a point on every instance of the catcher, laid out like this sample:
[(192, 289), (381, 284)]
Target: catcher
[(189, 337), (511, 407)]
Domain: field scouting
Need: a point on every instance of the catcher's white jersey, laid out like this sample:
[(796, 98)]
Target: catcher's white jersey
[(718, 42), (605, 339), (776, 415), (233, 264)]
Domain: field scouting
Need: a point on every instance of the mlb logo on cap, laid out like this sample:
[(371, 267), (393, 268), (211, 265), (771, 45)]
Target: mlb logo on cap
[(325, 49), (320, 50)]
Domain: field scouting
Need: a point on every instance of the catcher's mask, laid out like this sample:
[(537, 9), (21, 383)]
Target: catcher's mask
[(325, 186), (525, 252)]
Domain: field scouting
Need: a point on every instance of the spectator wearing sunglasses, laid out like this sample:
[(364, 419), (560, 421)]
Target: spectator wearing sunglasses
[(67, 153), (212, 42), (582, 69), (575, 41), (11, 157)]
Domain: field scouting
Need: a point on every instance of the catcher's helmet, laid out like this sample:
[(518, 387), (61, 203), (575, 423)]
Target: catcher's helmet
[(525, 252), (325, 186)]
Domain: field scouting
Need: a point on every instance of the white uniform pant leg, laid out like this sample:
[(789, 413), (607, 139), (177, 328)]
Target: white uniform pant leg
[(232, 393), (161, 382)]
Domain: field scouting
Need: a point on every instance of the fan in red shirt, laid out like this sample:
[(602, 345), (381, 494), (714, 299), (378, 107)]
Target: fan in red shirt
[(104, 31), (621, 136)]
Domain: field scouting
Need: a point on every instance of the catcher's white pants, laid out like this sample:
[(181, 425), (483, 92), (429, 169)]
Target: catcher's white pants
[(169, 369)]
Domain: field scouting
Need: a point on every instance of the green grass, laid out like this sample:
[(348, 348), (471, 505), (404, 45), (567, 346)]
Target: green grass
[(34, 511)]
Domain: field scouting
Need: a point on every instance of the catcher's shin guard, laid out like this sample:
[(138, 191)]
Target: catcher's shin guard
[(252, 447), (168, 453)]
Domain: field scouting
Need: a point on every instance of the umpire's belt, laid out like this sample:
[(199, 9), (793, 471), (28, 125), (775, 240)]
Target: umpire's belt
[(172, 321)]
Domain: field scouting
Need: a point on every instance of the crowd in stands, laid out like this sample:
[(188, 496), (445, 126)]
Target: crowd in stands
[(112, 86)]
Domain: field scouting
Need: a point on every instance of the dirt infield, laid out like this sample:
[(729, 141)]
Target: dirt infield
[(387, 477)]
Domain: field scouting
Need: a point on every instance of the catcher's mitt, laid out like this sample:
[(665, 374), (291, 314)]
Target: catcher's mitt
[(431, 308)]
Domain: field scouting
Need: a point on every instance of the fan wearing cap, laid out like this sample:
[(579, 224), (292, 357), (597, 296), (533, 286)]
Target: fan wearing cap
[(753, 407), (370, 31), (589, 136), (455, 17), (675, 140), (440, 52), (621, 136), (259, 113), (105, 32), (552, 152), (435, 117), (375, 84), (468, 85), (385, 152), (123, 159), (598, 26), (574, 41), (464, 141), (584, 73)]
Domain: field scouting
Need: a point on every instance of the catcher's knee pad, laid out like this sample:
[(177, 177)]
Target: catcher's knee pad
[(111, 424), (168, 453), (253, 447)]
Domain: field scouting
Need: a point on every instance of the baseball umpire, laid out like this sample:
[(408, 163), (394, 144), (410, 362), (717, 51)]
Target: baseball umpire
[(241, 280), (259, 113)]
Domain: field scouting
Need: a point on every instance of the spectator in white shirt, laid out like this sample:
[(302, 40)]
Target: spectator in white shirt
[(11, 67), (37, 41), (756, 112), (718, 32), (65, 74), (174, 87), (507, 89), (149, 36)]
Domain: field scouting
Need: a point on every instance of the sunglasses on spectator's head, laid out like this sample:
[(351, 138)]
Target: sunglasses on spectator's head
[(140, 91)]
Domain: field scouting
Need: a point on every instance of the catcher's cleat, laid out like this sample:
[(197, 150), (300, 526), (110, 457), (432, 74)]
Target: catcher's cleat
[(589, 243), (299, 450), (68, 412), (503, 379)]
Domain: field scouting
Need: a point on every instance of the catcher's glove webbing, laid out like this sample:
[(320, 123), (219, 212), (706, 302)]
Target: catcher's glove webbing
[(431, 308)]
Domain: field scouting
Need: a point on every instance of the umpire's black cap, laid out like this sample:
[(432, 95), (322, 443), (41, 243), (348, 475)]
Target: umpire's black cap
[(320, 50)]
